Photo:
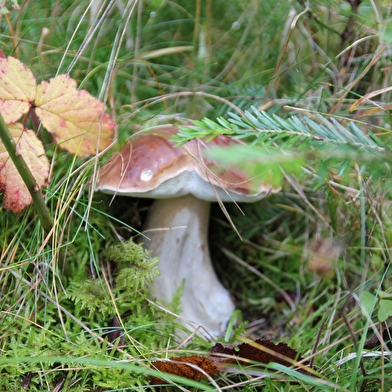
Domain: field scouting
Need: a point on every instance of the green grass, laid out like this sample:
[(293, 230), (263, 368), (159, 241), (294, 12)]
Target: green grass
[(164, 61)]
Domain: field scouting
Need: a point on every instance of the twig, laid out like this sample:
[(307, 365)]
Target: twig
[(361, 364), (27, 177), (316, 343)]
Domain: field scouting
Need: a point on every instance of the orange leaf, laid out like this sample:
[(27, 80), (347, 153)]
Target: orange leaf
[(17, 89), (75, 118), (16, 194)]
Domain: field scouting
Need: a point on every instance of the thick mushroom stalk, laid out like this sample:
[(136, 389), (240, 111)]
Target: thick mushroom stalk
[(178, 233)]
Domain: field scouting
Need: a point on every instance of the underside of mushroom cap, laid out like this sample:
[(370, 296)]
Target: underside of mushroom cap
[(151, 166)]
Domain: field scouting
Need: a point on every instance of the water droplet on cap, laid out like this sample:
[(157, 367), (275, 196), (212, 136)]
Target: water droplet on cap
[(146, 175)]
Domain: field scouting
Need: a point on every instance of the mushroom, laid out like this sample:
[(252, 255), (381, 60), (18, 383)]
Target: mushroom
[(184, 183)]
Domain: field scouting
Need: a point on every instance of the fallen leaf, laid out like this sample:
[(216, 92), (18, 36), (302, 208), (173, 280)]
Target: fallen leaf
[(261, 351), (17, 89), (197, 367), (193, 367), (115, 331), (75, 118), (16, 195)]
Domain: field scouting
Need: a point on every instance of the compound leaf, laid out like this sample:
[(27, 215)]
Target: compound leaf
[(17, 89), (75, 118), (16, 195)]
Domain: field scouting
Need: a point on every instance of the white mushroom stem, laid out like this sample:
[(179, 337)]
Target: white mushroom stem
[(178, 229)]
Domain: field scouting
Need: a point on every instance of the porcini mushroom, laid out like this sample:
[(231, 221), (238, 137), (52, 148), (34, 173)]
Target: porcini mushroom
[(183, 182)]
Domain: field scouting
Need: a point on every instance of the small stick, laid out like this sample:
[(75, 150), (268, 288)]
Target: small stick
[(28, 178)]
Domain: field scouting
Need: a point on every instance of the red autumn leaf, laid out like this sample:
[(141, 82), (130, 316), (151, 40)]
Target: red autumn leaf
[(17, 89), (16, 194), (75, 118)]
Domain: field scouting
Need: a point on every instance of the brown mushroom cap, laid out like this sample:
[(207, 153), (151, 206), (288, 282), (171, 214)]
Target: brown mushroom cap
[(152, 166)]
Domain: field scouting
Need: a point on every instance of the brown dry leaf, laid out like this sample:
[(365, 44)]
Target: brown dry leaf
[(186, 366), (17, 89), (16, 194), (75, 118), (115, 331), (260, 351)]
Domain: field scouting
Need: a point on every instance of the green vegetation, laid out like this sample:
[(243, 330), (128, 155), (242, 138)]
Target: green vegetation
[(308, 81)]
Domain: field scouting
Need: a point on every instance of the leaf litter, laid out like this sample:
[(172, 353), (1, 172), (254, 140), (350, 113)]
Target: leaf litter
[(257, 353)]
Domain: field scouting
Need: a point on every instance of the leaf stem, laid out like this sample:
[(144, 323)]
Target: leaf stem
[(27, 177)]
